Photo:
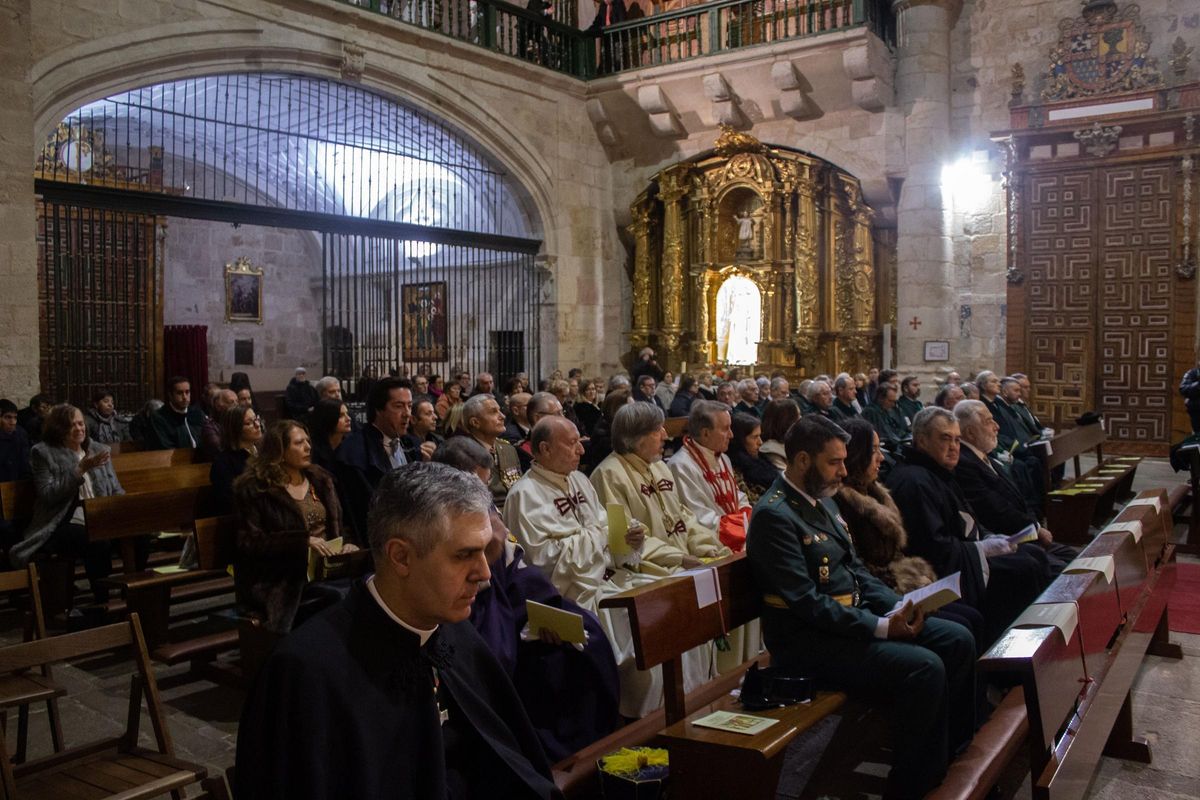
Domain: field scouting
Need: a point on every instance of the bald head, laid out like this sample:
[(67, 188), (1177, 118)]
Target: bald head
[(222, 401), (555, 443)]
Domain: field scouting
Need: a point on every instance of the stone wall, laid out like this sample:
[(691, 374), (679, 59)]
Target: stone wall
[(18, 253), (196, 253)]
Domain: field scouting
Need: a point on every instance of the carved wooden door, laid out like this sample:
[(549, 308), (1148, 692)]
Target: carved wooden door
[(1100, 299)]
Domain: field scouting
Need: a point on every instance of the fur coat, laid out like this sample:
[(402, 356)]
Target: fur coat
[(878, 530)]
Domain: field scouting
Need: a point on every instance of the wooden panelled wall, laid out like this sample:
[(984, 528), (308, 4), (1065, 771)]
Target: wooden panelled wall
[(1099, 314)]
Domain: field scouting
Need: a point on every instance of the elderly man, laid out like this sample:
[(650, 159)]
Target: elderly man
[(845, 401), (484, 384), (948, 396), (420, 388), (483, 421), (885, 417), (779, 388), (558, 519), (909, 401), (990, 488), (826, 616), (635, 476), (210, 432), (645, 392), (703, 474), (329, 388), (998, 579), (820, 399), (727, 394), (748, 392), (392, 692)]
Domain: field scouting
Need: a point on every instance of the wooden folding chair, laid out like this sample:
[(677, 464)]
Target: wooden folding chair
[(106, 768), (22, 689)]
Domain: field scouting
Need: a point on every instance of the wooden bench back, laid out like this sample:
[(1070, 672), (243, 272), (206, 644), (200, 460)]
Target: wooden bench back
[(126, 516), (666, 620), (1070, 444), (182, 476), (216, 542), (676, 426), (17, 499), (125, 462), (1129, 565), (1099, 612)]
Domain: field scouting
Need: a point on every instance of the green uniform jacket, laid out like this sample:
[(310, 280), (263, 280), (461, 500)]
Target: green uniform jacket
[(802, 555)]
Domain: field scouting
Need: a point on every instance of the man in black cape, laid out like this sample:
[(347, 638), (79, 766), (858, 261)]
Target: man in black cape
[(998, 579), (392, 693)]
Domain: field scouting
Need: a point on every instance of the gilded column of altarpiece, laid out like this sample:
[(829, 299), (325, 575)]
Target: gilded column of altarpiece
[(793, 224)]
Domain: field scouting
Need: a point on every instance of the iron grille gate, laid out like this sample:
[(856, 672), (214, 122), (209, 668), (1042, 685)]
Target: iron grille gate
[(428, 309), (415, 217)]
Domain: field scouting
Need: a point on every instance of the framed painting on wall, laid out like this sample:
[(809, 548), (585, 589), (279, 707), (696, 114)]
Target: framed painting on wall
[(423, 306), (243, 292)]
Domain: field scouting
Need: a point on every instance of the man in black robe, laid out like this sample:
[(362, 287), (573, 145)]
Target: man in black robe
[(998, 579), (392, 693)]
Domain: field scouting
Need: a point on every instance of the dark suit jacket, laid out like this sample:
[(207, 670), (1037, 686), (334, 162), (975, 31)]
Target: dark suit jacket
[(999, 504), (366, 461), (618, 15)]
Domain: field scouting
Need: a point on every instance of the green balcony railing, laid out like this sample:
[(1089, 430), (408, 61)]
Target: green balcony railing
[(647, 41)]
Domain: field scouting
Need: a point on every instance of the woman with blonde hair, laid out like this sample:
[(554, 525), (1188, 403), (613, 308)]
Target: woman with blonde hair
[(286, 507)]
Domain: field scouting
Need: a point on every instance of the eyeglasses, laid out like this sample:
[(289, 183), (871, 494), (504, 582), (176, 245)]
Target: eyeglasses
[(256, 422)]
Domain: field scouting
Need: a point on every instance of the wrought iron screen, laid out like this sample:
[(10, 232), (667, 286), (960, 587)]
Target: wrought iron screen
[(431, 309), (408, 206), (99, 289)]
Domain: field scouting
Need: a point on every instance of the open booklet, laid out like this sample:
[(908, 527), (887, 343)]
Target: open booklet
[(734, 722), (1027, 534), (932, 597)]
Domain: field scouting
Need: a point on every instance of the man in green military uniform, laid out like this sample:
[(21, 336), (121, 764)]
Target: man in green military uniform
[(825, 616)]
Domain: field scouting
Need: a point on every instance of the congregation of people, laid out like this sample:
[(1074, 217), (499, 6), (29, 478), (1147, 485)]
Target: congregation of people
[(472, 498)]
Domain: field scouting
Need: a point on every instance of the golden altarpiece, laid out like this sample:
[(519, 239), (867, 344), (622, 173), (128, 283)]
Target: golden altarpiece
[(794, 235)]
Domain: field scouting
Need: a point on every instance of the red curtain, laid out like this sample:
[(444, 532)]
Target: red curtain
[(185, 352)]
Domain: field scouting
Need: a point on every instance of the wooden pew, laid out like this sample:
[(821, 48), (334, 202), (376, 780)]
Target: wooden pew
[(125, 462), (1070, 515), (666, 623), (183, 476), (676, 426), (1078, 691)]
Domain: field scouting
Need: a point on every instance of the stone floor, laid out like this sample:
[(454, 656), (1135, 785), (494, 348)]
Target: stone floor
[(202, 716)]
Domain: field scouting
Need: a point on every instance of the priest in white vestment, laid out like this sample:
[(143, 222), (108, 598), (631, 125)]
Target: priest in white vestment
[(558, 519), (635, 476), (704, 479)]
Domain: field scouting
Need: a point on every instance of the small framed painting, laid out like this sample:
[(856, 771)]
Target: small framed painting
[(243, 292), (423, 331), (937, 351)]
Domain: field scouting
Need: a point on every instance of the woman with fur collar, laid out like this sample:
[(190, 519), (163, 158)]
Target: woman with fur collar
[(874, 522)]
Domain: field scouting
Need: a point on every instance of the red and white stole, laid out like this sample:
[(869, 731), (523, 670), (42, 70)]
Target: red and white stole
[(725, 490)]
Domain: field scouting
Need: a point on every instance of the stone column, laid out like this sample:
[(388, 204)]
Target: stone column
[(672, 186), (925, 270), (18, 244)]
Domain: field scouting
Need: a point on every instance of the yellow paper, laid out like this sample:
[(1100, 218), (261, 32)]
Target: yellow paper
[(618, 527), (173, 569), (314, 559), (567, 625)]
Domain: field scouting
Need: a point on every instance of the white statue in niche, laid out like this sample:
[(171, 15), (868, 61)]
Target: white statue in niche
[(739, 321), (749, 229)]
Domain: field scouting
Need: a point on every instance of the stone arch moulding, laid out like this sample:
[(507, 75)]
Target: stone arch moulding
[(83, 73)]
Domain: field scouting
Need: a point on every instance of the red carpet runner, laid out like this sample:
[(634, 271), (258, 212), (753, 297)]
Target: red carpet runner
[(1185, 599)]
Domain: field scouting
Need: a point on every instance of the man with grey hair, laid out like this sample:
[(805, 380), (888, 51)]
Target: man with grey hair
[(329, 388), (997, 578), (949, 396), (392, 692), (483, 421), (558, 519), (703, 473), (780, 389), (748, 391), (801, 396), (634, 476), (727, 394), (845, 398), (820, 399), (300, 396), (210, 432)]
